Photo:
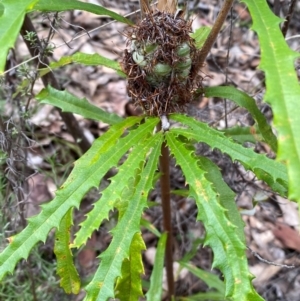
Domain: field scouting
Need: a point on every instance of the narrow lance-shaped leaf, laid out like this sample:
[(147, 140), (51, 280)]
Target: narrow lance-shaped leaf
[(70, 103), (102, 286), (155, 291), (247, 102), (129, 285), (270, 171), (113, 192), (221, 236), (85, 59), (212, 280), (105, 152), (150, 227), (243, 134), (69, 278), (282, 88), (58, 5)]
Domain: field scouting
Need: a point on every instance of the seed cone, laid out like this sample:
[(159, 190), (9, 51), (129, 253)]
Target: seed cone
[(161, 63)]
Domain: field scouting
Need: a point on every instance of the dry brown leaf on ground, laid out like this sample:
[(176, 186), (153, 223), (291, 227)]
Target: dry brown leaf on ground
[(289, 237), (289, 211), (263, 272), (87, 256)]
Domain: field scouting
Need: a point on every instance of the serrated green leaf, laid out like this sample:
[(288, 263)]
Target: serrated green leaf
[(200, 35), (85, 59), (113, 192), (129, 285), (212, 280), (155, 291), (247, 102), (66, 269), (102, 286), (70, 103), (272, 172), (58, 5), (282, 88), (226, 195), (11, 20), (221, 236), (105, 153), (129, 188)]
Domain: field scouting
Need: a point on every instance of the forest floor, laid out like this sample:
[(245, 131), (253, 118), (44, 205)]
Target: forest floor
[(271, 222)]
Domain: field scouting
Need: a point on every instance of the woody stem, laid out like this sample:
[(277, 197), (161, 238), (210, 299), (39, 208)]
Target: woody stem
[(167, 216), (214, 31)]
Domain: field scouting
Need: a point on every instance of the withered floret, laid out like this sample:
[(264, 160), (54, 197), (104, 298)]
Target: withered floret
[(161, 63)]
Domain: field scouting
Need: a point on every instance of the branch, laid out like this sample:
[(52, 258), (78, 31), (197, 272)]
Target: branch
[(49, 79), (214, 32), (167, 214), (255, 254)]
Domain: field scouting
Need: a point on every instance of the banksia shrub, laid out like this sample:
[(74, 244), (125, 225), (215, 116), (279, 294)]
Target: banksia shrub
[(161, 63)]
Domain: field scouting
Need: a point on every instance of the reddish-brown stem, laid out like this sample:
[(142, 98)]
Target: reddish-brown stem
[(214, 31), (167, 216), (49, 79), (288, 17)]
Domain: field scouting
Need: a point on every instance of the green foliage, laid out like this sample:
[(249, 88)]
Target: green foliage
[(101, 287), (11, 20), (272, 172), (129, 285), (70, 280), (283, 90), (85, 59), (69, 103), (155, 291), (58, 5), (212, 296), (220, 231), (112, 194), (212, 280), (247, 102), (137, 141), (226, 195), (200, 35), (243, 134), (86, 174), (1, 9)]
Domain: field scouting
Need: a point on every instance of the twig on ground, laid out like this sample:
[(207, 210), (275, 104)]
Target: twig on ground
[(255, 254)]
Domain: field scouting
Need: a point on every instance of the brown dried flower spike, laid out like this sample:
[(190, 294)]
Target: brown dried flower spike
[(161, 63)]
